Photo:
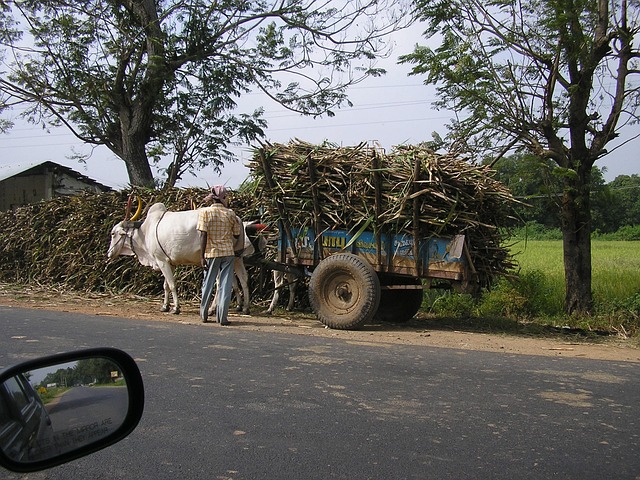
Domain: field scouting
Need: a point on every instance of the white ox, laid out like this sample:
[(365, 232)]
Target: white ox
[(164, 240), (280, 281)]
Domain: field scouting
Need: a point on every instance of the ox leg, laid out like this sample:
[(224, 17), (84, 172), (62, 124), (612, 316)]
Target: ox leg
[(214, 302), (167, 271), (278, 281), (243, 279), (165, 301), (237, 293), (293, 282)]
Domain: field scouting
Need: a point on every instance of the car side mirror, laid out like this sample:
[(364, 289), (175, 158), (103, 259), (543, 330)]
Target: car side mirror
[(62, 407)]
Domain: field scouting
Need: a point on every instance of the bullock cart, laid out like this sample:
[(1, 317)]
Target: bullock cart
[(364, 258)]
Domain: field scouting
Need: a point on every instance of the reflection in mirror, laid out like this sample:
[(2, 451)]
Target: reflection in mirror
[(49, 411)]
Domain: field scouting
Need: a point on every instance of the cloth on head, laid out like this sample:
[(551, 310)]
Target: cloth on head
[(218, 192)]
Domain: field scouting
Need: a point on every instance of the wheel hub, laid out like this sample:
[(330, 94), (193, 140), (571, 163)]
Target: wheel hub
[(343, 292)]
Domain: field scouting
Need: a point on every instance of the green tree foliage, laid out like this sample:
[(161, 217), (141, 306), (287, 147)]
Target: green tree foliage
[(551, 77), (604, 205), (91, 370), (625, 190), (95, 370), (530, 179), (155, 78), (8, 34)]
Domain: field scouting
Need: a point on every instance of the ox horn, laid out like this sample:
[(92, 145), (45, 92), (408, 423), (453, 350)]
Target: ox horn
[(138, 210), (127, 209)]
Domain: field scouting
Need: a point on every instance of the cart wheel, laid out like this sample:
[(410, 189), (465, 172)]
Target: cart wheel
[(344, 291), (399, 305)]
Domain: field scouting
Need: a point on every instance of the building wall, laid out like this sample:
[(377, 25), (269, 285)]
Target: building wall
[(24, 189), (18, 191), (65, 185)]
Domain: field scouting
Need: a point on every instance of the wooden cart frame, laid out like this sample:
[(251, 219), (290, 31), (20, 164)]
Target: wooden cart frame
[(359, 276)]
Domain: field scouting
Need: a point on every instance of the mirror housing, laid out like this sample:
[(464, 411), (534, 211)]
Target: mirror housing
[(101, 387)]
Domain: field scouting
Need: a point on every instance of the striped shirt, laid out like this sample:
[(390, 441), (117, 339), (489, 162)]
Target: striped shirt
[(221, 225)]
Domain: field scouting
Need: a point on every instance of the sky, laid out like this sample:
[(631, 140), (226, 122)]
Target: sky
[(390, 110)]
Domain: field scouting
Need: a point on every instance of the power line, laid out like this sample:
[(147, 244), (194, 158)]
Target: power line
[(366, 106), (310, 127), (363, 87), (377, 122), (30, 137), (286, 113)]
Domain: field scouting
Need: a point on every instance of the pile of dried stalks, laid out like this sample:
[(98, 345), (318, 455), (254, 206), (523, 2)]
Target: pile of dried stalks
[(410, 190), (64, 242)]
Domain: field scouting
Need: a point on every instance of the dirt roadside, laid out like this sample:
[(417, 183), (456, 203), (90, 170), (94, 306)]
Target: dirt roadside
[(420, 331)]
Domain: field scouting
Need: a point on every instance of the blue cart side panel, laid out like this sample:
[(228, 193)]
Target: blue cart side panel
[(438, 257)]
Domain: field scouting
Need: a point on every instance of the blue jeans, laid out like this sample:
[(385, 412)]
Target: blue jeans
[(224, 265)]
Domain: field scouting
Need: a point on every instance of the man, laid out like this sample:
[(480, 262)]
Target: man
[(219, 237)]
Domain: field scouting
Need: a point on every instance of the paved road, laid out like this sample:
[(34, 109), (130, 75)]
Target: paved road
[(89, 410), (227, 403)]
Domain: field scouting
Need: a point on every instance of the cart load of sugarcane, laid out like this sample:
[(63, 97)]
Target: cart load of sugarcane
[(409, 190)]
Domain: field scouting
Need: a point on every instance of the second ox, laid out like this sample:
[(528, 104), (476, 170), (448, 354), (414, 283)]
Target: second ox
[(166, 239)]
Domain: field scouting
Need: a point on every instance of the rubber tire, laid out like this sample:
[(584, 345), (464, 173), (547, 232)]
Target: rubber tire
[(344, 291), (399, 306)]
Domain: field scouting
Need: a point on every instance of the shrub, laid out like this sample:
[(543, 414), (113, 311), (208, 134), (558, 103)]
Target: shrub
[(626, 233), (535, 231), (626, 316), (538, 292), (502, 301), (525, 295), (452, 304)]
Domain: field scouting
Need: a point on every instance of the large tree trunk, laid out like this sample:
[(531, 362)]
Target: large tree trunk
[(134, 152), (136, 110), (135, 157), (576, 234)]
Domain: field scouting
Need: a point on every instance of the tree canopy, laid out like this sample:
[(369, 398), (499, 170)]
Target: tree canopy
[(531, 179), (624, 207), (92, 370), (552, 77), (155, 78)]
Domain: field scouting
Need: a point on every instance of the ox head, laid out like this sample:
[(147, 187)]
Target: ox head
[(122, 239), (122, 233)]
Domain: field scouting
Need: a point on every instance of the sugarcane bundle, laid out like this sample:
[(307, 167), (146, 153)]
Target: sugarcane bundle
[(410, 190)]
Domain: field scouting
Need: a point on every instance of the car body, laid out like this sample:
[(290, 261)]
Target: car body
[(31, 441), (25, 424)]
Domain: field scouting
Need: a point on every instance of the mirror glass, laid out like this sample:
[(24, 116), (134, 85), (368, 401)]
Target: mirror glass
[(49, 411)]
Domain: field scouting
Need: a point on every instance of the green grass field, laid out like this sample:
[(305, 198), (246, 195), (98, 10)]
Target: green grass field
[(533, 301), (615, 267)]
